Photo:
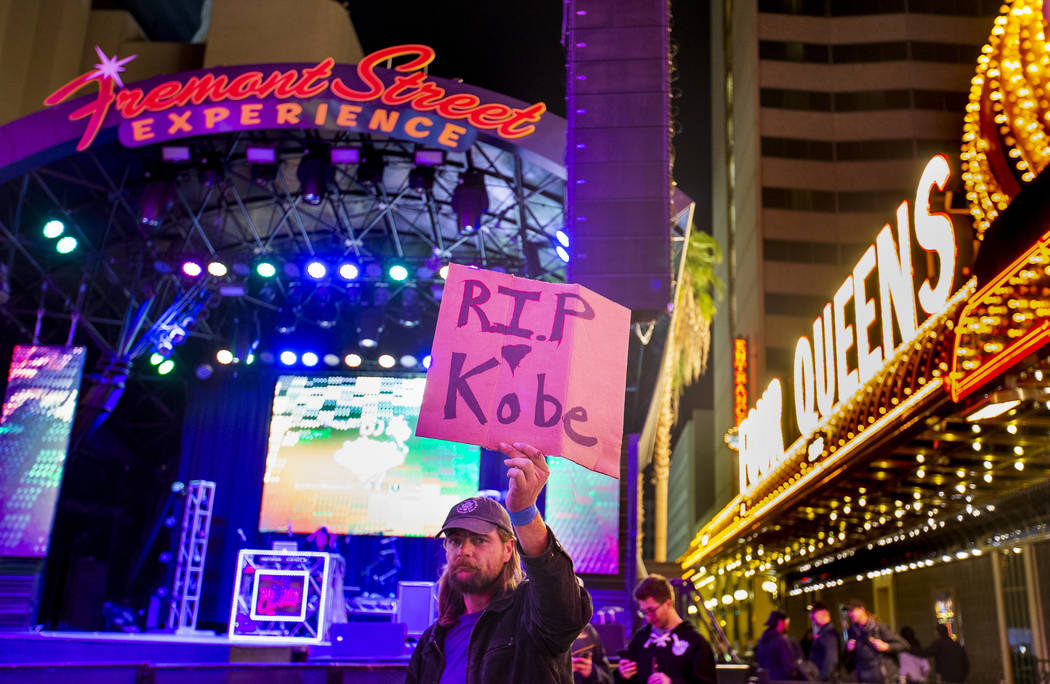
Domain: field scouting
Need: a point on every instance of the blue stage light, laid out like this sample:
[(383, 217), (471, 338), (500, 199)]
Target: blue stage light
[(397, 272), (309, 359), (426, 362), (288, 358), (316, 269), (53, 228), (348, 271), (66, 244), (562, 254), (562, 238)]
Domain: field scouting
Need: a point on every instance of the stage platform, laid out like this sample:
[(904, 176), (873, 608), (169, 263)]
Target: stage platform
[(169, 658)]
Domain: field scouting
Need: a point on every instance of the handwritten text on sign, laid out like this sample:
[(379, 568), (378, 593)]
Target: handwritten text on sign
[(522, 360)]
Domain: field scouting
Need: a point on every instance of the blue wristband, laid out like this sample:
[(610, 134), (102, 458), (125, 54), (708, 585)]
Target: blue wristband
[(523, 518)]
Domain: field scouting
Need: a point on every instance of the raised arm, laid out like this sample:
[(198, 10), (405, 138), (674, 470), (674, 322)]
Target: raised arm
[(558, 605), (527, 474)]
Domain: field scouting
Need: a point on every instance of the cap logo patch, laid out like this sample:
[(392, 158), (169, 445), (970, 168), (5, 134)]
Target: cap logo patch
[(467, 506)]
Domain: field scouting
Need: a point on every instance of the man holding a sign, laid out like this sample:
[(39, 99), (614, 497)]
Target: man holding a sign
[(494, 627)]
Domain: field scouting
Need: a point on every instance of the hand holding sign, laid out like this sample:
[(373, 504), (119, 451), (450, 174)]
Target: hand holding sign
[(523, 360)]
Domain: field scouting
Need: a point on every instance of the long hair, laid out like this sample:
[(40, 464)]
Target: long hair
[(450, 601)]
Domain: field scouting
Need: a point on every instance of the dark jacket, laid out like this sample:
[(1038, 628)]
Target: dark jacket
[(522, 637), (775, 655), (951, 665), (873, 665), (824, 652), (591, 643), (681, 654)]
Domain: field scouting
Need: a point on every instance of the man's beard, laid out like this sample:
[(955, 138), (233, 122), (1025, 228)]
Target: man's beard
[(475, 583)]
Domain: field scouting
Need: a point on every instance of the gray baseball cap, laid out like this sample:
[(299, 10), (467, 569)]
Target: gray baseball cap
[(477, 514)]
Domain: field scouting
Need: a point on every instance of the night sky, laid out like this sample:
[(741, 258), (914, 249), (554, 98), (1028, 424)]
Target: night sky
[(515, 49)]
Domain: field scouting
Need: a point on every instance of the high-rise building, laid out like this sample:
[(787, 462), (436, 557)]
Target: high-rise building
[(824, 114)]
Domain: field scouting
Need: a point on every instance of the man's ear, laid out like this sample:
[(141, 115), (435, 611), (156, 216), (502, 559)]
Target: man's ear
[(508, 549)]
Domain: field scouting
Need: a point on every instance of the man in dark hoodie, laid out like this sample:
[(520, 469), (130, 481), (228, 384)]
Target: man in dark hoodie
[(774, 652), (824, 653), (874, 644)]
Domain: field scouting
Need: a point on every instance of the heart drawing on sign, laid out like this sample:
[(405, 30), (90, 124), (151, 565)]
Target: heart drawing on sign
[(514, 353)]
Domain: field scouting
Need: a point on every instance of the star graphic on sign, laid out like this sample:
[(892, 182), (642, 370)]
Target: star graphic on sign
[(110, 67)]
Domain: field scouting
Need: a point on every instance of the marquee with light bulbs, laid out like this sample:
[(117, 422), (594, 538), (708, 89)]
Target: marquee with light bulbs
[(914, 397)]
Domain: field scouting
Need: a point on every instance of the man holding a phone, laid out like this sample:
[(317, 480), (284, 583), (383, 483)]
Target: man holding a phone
[(668, 649), (589, 664)]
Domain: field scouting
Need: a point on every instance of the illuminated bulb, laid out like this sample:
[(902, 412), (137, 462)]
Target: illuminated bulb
[(988, 477), (976, 445), (988, 465), (922, 459), (1019, 450), (976, 429), (960, 472), (1012, 429), (961, 487), (921, 473), (1019, 465)]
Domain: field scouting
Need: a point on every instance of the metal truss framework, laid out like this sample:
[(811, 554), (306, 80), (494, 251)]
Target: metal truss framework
[(122, 286)]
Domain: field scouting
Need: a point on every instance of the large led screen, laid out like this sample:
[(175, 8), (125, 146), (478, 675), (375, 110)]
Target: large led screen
[(343, 453), (42, 389), (583, 509)]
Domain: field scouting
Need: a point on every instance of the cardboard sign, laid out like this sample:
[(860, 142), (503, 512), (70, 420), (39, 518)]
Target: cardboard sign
[(518, 360)]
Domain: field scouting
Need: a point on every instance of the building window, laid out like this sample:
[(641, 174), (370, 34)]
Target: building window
[(798, 199), (780, 304)]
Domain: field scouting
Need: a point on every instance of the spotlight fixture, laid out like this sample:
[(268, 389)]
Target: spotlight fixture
[(421, 178), (265, 269), (313, 173), (53, 228), (562, 237), (410, 313), (316, 269), (192, 268), (288, 358), (369, 327), (224, 356), (345, 155), (66, 244), (352, 360), (348, 270), (330, 360), (408, 361), (470, 199), (309, 359), (166, 366), (370, 170), (386, 361), (204, 371), (217, 269), (397, 272), (264, 164), (158, 198)]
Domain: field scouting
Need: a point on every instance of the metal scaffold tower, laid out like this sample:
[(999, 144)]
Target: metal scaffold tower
[(193, 549)]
